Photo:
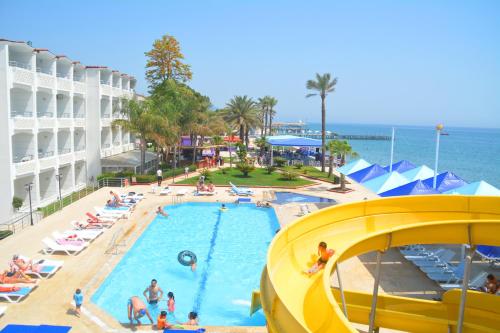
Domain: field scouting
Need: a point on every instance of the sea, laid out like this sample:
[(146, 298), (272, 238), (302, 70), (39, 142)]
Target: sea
[(471, 153)]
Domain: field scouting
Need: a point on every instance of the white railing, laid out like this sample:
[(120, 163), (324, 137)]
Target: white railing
[(45, 154), (78, 78), (116, 143), (22, 158), (79, 115), (19, 65), (80, 148), (44, 71), (105, 82), (25, 114), (45, 114), (106, 115), (105, 145), (64, 76), (64, 115), (64, 151)]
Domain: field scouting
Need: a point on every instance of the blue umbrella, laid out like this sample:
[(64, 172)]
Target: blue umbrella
[(445, 181), (368, 173), (416, 187), (401, 166)]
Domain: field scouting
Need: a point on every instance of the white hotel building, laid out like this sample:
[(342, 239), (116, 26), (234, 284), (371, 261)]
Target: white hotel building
[(55, 122)]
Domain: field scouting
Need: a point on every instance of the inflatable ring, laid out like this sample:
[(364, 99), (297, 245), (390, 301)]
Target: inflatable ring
[(181, 257)]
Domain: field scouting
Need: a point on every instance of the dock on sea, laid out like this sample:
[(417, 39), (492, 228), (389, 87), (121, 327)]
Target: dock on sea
[(335, 136)]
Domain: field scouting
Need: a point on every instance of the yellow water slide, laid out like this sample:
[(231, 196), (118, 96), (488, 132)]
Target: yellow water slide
[(295, 303)]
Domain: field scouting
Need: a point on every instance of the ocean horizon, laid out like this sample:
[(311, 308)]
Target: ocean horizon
[(471, 153)]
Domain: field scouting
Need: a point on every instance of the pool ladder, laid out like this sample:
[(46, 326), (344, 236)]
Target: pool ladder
[(178, 199), (115, 243)]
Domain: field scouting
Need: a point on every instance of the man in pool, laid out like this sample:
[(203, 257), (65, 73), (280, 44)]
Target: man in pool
[(152, 291), (324, 254), (160, 211), (137, 309)]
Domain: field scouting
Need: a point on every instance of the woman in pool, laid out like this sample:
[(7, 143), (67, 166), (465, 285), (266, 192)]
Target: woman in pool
[(324, 254)]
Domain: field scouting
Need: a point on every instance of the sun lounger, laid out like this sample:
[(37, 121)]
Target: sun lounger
[(304, 210), (17, 295), (476, 283), (102, 218), (77, 225), (112, 213), (439, 260), (182, 192), (82, 235), (165, 191), (2, 310), (424, 254), (454, 275), (70, 249), (205, 193), (489, 253), (46, 267), (240, 190)]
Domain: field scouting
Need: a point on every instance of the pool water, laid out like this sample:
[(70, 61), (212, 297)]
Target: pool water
[(288, 197), (231, 249)]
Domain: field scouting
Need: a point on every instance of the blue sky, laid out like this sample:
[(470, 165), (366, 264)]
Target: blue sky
[(398, 62)]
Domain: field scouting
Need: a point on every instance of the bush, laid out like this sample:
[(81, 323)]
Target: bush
[(270, 169), (205, 173), (298, 165), (17, 203), (145, 178), (5, 233), (279, 161), (245, 168), (289, 175)]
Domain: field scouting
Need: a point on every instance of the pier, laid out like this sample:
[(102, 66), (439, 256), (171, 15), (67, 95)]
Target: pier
[(335, 136), (300, 129)]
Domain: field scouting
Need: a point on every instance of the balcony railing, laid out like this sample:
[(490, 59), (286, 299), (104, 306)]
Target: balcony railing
[(79, 115), (78, 78), (105, 145), (45, 154), (44, 71), (106, 115), (116, 143), (64, 115), (22, 158), (64, 151), (64, 75), (21, 114), (80, 148), (45, 114), (20, 65), (105, 82)]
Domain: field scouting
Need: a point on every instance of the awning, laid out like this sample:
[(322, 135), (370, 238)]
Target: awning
[(292, 141), (416, 187), (385, 182), (421, 172), (353, 166), (445, 181), (366, 174), (400, 166), (476, 188)]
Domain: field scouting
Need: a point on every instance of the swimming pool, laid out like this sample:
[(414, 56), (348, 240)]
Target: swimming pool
[(231, 248), (288, 197)]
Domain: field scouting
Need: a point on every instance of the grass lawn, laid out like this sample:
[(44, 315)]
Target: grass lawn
[(309, 171), (258, 177)]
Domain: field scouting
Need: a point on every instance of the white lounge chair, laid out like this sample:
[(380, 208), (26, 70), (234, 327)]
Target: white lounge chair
[(476, 283), (113, 213), (18, 295), (77, 225), (205, 193), (70, 249), (46, 267), (240, 190), (2, 310), (304, 210), (165, 191), (82, 235), (182, 192)]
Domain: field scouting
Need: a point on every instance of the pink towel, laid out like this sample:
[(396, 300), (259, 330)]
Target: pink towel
[(69, 242)]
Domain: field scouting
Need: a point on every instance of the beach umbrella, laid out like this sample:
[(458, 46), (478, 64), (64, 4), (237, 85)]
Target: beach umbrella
[(416, 187), (368, 173), (421, 172), (476, 188), (400, 166), (353, 166), (445, 181), (385, 182)]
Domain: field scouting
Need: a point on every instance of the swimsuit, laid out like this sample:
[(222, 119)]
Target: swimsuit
[(153, 301)]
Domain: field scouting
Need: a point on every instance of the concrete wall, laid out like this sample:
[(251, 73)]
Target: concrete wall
[(93, 135)]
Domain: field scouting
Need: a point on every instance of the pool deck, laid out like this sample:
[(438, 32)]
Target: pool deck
[(50, 303)]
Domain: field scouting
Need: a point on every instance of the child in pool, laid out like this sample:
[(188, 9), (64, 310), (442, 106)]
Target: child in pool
[(163, 321), (223, 207), (192, 319), (171, 303)]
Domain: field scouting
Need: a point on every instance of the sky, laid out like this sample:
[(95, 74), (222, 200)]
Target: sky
[(397, 62)]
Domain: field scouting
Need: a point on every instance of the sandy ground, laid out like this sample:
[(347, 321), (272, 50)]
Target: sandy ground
[(50, 302)]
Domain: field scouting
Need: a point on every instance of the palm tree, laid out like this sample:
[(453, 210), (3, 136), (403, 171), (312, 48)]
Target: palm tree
[(342, 148), (242, 113), (323, 85), (262, 103), (141, 120), (271, 103)]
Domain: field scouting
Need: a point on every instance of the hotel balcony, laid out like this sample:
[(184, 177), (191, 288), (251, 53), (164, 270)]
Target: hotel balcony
[(79, 78), (116, 136), (79, 139), (46, 149), (125, 137), (64, 73), (80, 174), (20, 62), (48, 186), (23, 152), (21, 108), (66, 178), (45, 68), (125, 83), (64, 142), (105, 79), (21, 192), (64, 112)]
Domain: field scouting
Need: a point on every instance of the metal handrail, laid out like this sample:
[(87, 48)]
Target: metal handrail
[(25, 114), (64, 151), (17, 64), (105, 82), (45, 114), (79, 115), (21, 159), (64, 115), (45, 154)]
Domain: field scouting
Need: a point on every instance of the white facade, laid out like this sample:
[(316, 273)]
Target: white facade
[(55, 119)]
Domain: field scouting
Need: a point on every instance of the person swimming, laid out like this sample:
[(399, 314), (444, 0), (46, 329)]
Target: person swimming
[(223, 207), (192, 319), (160, 211)]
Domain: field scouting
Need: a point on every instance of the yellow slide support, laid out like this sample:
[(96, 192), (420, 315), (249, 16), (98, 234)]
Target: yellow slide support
[(295, 303)]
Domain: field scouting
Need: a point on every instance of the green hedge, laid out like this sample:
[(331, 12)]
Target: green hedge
[(148, 178), (5, 234)]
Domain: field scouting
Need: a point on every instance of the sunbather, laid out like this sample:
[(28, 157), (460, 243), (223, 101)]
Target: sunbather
[(324, 254), (116, 197), (14, 277), (210, 187), (19, 264)]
